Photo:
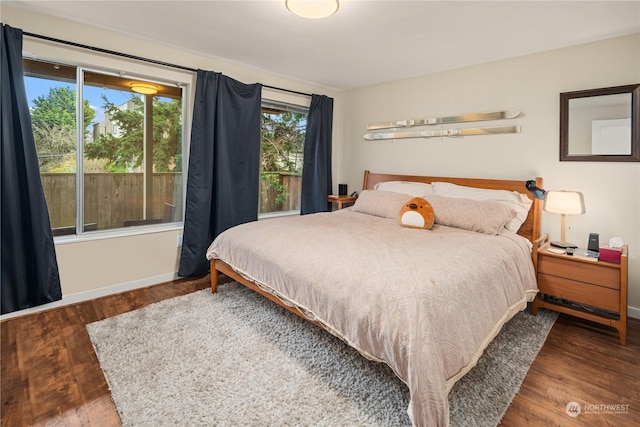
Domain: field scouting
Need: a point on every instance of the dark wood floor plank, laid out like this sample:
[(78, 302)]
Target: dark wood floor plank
[(53, 389), (15, 387), (51, 375), (93, 388), (584, 363)]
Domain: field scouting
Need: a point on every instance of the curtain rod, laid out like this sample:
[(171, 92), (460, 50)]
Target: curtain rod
[(138, 58)]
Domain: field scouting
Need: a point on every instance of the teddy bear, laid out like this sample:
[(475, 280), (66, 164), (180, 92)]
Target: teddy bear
[(416, 213)]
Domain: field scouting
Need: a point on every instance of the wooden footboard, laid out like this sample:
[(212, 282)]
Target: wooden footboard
[(224, 268)]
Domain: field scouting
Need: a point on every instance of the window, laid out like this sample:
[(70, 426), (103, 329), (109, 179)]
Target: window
[(282, 153), (129, 171)]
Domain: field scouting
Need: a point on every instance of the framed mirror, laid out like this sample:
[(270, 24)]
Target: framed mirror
[(600, 125)]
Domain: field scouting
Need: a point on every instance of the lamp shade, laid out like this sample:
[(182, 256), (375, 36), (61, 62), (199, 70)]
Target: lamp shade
[(564, 202), (313, 9)]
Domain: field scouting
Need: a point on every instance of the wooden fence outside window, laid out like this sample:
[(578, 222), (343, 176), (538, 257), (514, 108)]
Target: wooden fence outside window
[(111, 199)]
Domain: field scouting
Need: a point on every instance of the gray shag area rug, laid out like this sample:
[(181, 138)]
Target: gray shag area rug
[(237, 359)]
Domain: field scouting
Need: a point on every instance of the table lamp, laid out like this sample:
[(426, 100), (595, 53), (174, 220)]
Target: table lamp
[(565, 203)]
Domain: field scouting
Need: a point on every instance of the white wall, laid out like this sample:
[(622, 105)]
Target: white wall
[(531, 84)]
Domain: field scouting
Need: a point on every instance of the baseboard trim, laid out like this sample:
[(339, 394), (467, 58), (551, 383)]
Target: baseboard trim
[(93, 294), (633, 312)]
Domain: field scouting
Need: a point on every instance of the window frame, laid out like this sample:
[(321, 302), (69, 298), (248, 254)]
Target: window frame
[(42, 50), (288, 105), (88, 61)]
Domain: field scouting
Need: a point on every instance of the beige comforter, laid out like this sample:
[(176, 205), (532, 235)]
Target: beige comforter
[(426, 302)]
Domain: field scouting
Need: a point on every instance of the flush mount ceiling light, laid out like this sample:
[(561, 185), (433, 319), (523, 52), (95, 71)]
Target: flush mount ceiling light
[(144, 88), (313, 9)]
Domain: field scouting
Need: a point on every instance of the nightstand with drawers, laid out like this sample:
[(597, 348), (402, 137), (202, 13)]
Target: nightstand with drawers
[(592, 290)]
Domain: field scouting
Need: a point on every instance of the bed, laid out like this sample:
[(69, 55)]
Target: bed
[(425, 302)]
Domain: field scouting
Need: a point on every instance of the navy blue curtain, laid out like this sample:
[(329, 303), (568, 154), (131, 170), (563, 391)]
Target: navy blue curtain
[(316, 170), (223, 183), (29, 266)]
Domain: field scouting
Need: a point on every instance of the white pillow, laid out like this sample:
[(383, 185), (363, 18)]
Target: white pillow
[(414, 189), (482, 216), (386, 204), (519, 202)]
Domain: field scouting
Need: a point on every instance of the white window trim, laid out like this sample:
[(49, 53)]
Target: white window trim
[(90, 61)]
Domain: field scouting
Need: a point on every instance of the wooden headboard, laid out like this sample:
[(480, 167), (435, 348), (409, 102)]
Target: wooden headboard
[(530, 229)]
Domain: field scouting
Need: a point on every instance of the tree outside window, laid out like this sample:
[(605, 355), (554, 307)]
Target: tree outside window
[(282, 146)]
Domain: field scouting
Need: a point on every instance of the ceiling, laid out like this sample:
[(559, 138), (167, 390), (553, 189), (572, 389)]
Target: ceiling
[(365, 42)]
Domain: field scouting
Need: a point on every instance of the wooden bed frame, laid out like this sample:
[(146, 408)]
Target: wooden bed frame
[(530, 229)]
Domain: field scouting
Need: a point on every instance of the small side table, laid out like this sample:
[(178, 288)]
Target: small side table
[(592, 290), (341, 200)]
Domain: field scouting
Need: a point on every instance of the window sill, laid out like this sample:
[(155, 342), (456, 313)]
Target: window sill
[(278, 214), (117, 233), (148, 229)]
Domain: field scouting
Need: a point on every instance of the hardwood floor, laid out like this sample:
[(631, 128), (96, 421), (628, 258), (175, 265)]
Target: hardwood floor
[(51, 377), (581, 362)]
